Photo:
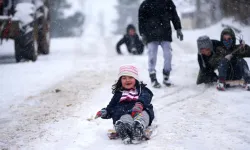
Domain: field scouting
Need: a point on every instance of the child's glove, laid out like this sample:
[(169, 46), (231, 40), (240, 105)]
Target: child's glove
[(102, 113), (137, 109), (242, 43), (229, 57)]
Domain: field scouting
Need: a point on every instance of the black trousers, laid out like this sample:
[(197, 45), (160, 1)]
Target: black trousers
[(234, 70)]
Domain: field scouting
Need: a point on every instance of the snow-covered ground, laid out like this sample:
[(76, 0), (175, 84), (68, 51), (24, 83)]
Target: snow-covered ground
[(34, 116)]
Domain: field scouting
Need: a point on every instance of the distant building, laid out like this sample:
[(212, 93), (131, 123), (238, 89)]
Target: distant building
[(195, 16)]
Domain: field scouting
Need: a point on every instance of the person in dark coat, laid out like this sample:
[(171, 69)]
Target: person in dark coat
[(132, 41), (229, 58), (206, 49), (155, 17), (130, 108)]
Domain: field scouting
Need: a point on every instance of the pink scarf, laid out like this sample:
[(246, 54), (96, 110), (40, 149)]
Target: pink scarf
[(129, 95)]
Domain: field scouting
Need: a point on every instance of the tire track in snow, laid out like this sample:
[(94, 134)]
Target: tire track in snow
[(182, 99), (171, 93), (48, 108), (175, 93)]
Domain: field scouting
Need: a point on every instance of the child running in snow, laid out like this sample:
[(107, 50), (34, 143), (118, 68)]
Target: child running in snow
[(130, 108)]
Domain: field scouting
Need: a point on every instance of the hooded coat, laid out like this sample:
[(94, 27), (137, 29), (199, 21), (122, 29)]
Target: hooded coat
[(236, 68), (130, 41), (155, 17), (236, 49)]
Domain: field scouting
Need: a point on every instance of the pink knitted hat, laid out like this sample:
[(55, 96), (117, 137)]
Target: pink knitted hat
[(128, 70)]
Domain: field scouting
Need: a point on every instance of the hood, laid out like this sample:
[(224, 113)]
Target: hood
[(230, 32), (130, 26)]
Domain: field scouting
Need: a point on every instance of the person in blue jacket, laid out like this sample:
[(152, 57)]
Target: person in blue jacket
[(130, 108)]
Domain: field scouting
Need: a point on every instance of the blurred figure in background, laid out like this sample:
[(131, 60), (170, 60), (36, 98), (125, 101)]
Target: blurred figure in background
[(131, 39), (155, 17), (127, 13)]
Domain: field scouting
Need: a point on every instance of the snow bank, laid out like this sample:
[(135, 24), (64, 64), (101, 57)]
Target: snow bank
[(19, 81)]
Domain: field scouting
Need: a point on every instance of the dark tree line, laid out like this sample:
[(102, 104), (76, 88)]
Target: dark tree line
[(61, 26), (239, 9)]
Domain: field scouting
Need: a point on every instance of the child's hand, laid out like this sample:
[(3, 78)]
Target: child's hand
[(242, 43), (137, 109), (102, 113)]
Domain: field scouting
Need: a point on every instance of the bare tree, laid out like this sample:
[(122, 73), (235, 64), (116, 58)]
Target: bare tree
[(239, 9)]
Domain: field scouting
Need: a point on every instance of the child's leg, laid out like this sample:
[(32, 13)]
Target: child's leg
[(141, 122), (241, 70), (224, 66), (124, 127), (143, 119)]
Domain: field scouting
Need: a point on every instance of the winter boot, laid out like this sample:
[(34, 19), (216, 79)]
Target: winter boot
[(247, 83), (221, 86), (154, 81), (137, 132), (247, 86), (166, 78), (121, 129)]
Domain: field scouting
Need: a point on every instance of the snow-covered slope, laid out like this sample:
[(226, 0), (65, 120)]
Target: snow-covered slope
[(34, 116)]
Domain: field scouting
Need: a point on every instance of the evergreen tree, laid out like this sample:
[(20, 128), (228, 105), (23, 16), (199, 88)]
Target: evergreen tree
[(61, 26), (239, 9)]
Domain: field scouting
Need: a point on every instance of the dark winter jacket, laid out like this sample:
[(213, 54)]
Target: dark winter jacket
[(116, 108), (206, 73), (130, 41), (237, 50), (155, 18)]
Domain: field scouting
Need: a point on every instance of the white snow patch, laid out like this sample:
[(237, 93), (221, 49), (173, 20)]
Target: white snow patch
[(24, 13), (18, 81)]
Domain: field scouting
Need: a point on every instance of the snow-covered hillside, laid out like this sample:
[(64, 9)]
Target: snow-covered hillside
[(48, 104)]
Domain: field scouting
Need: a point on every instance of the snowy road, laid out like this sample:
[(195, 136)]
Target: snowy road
[(190, 117)]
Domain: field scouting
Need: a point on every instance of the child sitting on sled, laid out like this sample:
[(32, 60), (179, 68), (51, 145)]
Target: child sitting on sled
[(130, 108)]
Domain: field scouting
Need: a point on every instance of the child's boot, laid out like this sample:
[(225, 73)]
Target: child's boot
[(121, 129), (154, 81), (221, 85), (137, 132), (247, 86)]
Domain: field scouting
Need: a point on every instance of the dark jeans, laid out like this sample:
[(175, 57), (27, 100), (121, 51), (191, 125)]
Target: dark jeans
[(234, 70)]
